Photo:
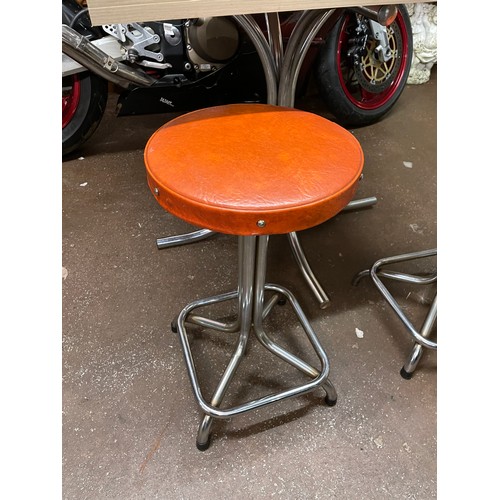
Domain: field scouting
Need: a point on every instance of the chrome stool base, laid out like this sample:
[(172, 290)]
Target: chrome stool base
[(420, 337), (252, 310)]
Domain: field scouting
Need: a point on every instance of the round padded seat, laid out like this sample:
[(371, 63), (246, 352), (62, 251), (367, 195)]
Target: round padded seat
[(253, 169)]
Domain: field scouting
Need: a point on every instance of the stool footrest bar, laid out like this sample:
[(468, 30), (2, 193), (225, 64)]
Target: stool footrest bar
[(420, 337), (319, 377)]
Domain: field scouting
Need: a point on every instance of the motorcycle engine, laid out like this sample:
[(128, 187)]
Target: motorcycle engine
[(211, 42), (202, 44)]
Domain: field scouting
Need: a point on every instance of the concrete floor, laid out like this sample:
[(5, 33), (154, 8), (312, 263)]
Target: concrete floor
[(129, 415)]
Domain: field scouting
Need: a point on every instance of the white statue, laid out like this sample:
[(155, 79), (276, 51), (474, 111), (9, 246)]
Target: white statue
[(423, 18)]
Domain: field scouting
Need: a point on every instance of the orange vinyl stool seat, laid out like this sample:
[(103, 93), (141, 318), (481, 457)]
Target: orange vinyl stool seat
[(252, 170)]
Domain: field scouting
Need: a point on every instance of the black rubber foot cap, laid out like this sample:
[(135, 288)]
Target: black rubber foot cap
[(330, 402), (204, 446), (173, 326), (405, 374)]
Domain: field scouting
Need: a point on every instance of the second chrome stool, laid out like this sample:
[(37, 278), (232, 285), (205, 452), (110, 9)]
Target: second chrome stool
[(377, 271), (252, 170)]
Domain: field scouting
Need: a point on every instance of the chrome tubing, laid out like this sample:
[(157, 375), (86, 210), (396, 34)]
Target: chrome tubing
[(87, 54), (265, 54), (307, 272), (251, 288), (212, 409), (361, 203), (183, 239), (300, 40), (398, 276), (417, 351), (245, 292), (421, 337), (374, 271), (275, 38), (263, 338)]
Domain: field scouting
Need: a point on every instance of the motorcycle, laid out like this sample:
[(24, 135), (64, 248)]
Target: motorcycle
[(360, 66)]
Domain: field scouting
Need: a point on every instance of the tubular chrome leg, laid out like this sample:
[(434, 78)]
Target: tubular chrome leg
[(301, 258), (251, 287), (260, 287), (235, 325), (307, 272), (361, 203), (331, 393), (245, 298), (417, 351), (183, 239), (294, 53), (326, 384), (376, 271), (297, 47), (214, 324)]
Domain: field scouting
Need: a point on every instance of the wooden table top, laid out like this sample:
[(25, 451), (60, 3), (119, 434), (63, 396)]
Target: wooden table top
[(123, 11)]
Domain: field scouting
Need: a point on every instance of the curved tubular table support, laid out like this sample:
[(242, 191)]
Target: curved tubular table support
[(300, 40), (281, 72), (263, 48), (274, 37)]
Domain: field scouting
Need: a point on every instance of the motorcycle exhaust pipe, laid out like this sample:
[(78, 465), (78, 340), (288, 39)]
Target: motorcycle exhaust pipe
[(382, 14), (87, 54)]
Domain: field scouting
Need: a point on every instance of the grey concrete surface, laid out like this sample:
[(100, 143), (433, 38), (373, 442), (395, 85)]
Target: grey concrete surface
[(129, 415)]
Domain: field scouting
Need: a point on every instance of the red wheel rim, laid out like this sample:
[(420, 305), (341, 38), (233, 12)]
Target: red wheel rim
[(70, 98), (359, 96)]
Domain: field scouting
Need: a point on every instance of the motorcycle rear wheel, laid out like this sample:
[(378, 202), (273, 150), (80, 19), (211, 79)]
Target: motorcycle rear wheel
[(361, 95), (84, 98)]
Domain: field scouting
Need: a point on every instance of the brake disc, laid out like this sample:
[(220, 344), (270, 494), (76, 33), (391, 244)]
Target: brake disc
[(374, 75)]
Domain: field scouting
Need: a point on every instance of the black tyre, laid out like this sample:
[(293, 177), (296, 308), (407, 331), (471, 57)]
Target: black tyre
[(84, 98), (358, 88)]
